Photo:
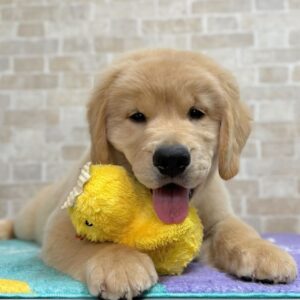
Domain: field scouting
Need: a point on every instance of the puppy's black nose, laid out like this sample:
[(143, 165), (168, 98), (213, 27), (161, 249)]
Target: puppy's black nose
[(171, 160)]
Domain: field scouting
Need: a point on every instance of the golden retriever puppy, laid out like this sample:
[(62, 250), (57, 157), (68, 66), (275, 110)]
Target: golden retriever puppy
[(175, 120)]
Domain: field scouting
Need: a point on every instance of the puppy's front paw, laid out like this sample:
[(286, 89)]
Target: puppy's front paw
[(120, 273), (260, 260)]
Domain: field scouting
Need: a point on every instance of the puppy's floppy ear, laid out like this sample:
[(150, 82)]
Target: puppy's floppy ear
[(234, 131), (96, 114)]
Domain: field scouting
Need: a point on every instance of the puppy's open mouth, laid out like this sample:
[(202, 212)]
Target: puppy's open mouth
[(171, 203)]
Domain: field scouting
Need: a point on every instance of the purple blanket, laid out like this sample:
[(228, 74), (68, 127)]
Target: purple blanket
[(203, 281)]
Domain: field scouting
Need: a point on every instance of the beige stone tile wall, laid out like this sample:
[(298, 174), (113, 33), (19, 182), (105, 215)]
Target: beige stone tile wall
[(51, 52)]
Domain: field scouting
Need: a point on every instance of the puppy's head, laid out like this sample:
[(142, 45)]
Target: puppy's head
[(171, 117)]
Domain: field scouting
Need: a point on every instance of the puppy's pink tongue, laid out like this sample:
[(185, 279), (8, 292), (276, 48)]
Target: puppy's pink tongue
[(171, 203)]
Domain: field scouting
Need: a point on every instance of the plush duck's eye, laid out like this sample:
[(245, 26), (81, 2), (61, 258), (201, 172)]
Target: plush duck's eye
[(87, 223), (138, 117), (195, 114)]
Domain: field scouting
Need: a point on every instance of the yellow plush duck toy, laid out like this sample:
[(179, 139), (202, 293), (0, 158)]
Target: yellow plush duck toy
[(108, 204)]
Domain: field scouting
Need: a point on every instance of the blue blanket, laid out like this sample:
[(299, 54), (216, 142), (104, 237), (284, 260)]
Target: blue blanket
[(20, 262)]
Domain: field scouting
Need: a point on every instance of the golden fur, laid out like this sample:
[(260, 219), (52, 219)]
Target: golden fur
[(163, 84)]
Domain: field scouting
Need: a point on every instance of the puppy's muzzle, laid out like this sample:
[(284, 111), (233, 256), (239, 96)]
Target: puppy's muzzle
[(171, 160)]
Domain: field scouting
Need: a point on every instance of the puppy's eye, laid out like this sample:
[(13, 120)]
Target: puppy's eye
[(87, 223), (195, 114), (138, 117)]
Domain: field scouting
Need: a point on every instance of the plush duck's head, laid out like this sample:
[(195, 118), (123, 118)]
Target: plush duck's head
[(104, 201)]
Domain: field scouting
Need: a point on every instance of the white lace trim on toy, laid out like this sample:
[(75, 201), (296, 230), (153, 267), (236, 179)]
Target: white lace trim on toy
[(84, 176)]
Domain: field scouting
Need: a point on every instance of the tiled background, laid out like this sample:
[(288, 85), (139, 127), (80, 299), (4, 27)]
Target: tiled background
[(51, 52)]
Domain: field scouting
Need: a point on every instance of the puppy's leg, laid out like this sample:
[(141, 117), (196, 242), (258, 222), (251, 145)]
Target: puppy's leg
[(111, 271), (23, 225), (30, 222), (6, 229), (236, 248)]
